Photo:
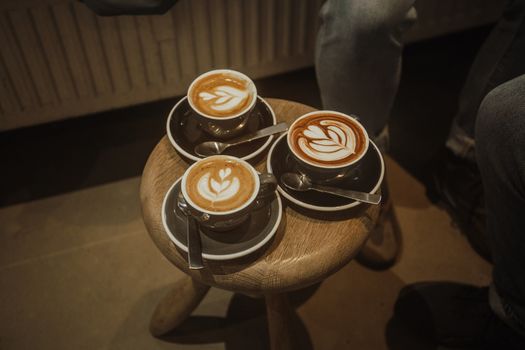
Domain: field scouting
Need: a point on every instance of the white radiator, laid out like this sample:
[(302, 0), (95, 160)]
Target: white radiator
[(59, 60)]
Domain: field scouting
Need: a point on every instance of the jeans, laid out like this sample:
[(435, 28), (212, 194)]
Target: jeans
[(500, 152), (358, 62), (358, 57), (500, 59)]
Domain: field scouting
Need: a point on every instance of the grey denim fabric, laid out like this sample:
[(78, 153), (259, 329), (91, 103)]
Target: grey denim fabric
[(358, 57), (500, 59), (500, 140)]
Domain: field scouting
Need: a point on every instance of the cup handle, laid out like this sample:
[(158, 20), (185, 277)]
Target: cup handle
[(268, 185)]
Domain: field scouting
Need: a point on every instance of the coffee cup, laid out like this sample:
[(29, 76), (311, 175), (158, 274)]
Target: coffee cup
[(327, 145), (222, 100), (222, 191)]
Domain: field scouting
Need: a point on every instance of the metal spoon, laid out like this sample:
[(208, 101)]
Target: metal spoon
[(211, 148), (192, 236), (302, 182)]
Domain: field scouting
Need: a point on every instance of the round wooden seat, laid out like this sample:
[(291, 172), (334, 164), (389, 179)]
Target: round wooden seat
[(305, 250)]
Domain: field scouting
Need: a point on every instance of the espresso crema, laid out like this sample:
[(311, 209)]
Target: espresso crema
[(222, 95), (327, 140), (220, 184)]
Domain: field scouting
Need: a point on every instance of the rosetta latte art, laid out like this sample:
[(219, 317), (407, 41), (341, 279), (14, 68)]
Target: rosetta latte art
[(224, 98), (329, 141), (224, 188), (222, 95), (220, 184)]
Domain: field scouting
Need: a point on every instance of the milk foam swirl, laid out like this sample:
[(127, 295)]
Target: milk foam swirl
[(224, 188), (222, 94), (327, 139), (330, 141), (224, 98), (219, 184)]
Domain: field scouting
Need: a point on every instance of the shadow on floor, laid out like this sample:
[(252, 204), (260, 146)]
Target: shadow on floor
[(243, 327), (400, 337), (247, 330)]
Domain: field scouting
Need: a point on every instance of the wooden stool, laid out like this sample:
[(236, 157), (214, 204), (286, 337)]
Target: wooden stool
[(304, 251)]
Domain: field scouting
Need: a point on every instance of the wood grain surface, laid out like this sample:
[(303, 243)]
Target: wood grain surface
[(306, 249)]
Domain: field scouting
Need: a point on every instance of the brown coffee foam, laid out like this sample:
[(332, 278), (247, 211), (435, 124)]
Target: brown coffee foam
[(209, 84), (214, 166), (297, 132)]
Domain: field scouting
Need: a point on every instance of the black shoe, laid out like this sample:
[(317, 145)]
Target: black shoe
[(455, 184), (455, 315)]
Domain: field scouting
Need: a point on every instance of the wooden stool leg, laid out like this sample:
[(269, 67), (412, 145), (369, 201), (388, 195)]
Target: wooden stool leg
[(177, 305), (279, 321)]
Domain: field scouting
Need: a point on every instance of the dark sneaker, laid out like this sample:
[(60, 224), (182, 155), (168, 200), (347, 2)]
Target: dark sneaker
[(454, 315), (384, 244), (455, 184)]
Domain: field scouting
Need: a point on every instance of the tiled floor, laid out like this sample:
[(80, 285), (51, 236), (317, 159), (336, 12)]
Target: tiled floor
[(78, 270)]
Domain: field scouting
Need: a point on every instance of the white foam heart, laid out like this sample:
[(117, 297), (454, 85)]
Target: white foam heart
[(214, 190), (223, 173), (223, 99), (314, 132), (338, 131), (225, 90), (206, 96)]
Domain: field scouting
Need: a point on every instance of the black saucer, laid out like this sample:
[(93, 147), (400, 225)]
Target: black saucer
[(184, 132), (253, 234), (367, 177)]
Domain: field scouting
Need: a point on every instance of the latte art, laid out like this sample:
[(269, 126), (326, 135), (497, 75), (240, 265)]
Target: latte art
[(220, 184), (222, 94), (218, 190), (224, 98), (327, 139)]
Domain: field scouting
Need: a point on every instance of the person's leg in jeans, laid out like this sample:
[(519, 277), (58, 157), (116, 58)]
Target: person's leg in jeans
[(456, 181), (500, 150), (500, 59), (358, 65), (459, 315), (358, 57)]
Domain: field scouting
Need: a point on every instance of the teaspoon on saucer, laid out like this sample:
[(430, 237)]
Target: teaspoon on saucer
[(302, 182), (193, 236), (211, 148)]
